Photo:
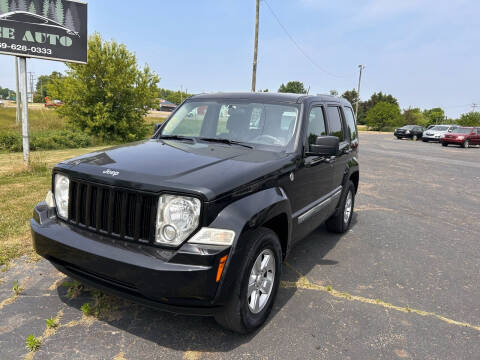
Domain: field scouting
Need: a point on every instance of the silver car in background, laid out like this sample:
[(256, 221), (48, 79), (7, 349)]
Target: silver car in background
[(437, 132)]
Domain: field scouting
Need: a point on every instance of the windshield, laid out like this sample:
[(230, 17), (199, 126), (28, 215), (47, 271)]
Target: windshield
[(439, 128), (462, 131), (252, 123), (407, 127)]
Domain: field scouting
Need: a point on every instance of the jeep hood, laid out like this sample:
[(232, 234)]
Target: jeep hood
[(207, 169)]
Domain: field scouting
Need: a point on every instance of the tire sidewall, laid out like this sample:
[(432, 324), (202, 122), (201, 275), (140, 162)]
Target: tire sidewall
[(269, 241)]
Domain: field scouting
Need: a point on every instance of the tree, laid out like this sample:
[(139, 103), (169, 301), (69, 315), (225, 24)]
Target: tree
[(45, 7), (31, 8), (22, 5), (59, 14), (295, 87), (413, 116), (434, 116), (69, 22), (383, 115), (471, 118), (351, 96), (110, 96), (3, 6), (5, 93), (364, 106), (43, 82), (334, 92), (13, 5), (175, 97), (51, 10)]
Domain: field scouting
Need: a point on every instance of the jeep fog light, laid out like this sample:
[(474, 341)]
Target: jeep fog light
[(177, 218), (209, 236), (62, 185)]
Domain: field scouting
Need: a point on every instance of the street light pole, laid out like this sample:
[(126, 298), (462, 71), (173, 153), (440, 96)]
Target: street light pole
[(255, 50), (361, 67)]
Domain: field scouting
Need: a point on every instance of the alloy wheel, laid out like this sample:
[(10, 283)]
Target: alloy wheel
[(347, 212), (260, 283)]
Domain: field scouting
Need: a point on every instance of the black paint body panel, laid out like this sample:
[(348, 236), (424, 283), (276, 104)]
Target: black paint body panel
[(241, 189)]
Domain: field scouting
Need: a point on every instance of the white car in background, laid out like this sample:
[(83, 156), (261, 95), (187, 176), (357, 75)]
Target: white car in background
[(437, 132)]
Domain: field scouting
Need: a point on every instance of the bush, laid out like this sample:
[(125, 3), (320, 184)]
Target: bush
[(470, 119), (109, 97), (383, 116), (46, 140)]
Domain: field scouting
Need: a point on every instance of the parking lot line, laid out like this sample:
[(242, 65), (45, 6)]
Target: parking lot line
[(305, 284)]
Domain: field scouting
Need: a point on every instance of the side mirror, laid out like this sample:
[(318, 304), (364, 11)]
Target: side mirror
[(157, 126), (324, 146)]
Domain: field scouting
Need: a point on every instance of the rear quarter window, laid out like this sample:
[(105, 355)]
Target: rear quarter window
[(351, 125)]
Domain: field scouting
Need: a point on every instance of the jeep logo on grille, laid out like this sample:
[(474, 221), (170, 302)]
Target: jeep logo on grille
[(111, 172)]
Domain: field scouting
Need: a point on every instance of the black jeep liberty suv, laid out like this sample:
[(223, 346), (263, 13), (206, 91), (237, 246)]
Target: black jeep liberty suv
[(199, 219)]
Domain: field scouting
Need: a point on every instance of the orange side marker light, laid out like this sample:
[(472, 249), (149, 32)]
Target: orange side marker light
[(221, 265)]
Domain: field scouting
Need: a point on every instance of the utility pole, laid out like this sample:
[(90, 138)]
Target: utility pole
[(17, 94), (361, 67), (32, 90), (255, 50)]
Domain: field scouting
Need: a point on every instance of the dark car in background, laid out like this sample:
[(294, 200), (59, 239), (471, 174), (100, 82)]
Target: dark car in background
[(464, 136), (413, 132), (199, 218)]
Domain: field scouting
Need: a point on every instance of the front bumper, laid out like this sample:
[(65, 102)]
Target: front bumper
[(180, 281), (453, 141), (431, 138)]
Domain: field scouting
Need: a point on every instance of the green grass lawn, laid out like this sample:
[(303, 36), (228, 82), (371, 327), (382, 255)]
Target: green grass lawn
[(20, 190), (39, 120)]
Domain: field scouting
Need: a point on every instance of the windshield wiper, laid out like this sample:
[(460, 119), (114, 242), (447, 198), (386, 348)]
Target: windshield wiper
[(225, 141), (175, 137)]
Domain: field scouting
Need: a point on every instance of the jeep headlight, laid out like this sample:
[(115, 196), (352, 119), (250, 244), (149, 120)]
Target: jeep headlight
[(61, 188), (177, 218)]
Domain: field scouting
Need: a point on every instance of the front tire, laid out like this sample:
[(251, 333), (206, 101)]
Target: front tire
[(340, 221), (256, 289), (415, 138), (466, 144)]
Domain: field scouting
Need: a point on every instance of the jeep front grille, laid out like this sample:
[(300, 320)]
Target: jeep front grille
[(112, 211)]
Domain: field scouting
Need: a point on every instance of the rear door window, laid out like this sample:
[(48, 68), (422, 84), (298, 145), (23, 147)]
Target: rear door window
[(316, 125), (335, 122)]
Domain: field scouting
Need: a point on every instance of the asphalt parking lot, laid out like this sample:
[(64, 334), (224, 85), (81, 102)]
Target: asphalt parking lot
[(402, 283)]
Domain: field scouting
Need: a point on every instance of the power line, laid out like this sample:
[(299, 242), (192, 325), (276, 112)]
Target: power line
[(299, 47)]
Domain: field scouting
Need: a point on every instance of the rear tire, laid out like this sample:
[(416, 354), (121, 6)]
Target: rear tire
[(444, 144), (415, 138), (241, 314), (340, 221), (466, 144)]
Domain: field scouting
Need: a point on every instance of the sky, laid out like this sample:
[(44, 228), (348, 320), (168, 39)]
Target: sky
[(426, 53)]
